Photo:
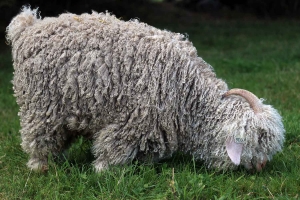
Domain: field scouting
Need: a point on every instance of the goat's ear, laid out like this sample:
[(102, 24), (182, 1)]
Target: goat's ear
[(234, 150)]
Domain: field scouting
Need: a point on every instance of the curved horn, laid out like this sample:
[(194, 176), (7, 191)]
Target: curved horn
[(254, 102)]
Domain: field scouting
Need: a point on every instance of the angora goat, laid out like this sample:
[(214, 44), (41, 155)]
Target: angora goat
[(139, 92)]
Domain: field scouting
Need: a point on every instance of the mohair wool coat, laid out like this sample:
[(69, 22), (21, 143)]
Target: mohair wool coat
[(138, 91)]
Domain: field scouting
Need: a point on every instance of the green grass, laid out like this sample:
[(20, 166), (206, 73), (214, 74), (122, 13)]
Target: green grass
[(263, 57)]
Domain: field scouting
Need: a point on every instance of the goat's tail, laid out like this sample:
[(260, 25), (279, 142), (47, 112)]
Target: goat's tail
[(27, 17)]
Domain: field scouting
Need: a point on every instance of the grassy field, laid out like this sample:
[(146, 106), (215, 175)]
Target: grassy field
[(263, 57)]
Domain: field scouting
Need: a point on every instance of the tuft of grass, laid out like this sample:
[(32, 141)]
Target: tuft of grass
[(262, 57)]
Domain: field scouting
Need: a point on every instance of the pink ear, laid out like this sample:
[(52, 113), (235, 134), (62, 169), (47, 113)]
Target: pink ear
[(234, 150)]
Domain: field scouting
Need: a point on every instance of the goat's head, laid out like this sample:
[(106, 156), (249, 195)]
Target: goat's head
[(254, 136)]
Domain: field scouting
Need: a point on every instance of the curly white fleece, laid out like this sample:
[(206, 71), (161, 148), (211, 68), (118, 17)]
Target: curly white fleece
[(140, 92)]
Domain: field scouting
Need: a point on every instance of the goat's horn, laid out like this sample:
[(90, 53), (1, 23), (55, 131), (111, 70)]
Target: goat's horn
[(254, 102)]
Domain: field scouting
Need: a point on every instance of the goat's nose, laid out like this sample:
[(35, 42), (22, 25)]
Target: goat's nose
[(260, 166)]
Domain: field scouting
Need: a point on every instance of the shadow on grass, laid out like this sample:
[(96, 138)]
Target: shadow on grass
[(79, 156)]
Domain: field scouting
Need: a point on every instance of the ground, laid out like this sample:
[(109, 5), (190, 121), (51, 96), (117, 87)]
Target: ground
[(260, 56)]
